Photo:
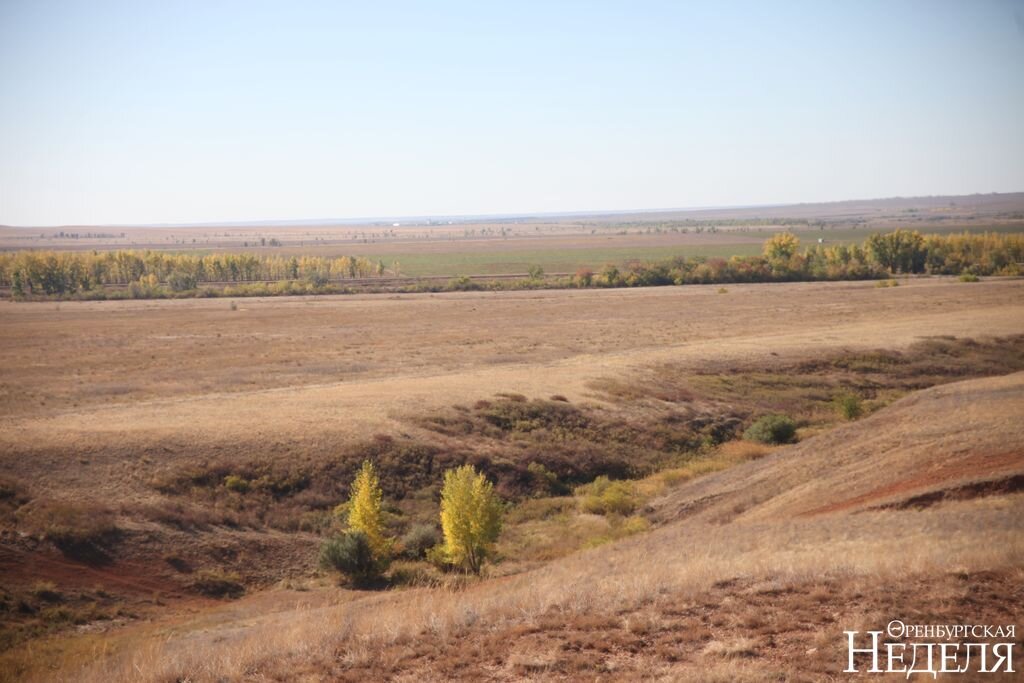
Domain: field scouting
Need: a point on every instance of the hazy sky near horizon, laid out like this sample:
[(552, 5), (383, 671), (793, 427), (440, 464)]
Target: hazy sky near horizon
[(146, 112)]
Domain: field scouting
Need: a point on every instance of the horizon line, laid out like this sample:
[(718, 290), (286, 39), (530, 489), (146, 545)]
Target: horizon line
[(462, 218)]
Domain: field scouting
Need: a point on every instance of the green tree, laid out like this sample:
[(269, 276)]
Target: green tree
[(470, 517), (365, 513), (901, 250)]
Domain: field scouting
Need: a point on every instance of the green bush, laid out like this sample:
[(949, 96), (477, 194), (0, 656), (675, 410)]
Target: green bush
[(181, 281), (604, 496), (438, 558), (545, 482), (235, 483), (463, 284), (848, 406), (352, 555), (771, 429), (418, 540), (969, 277)]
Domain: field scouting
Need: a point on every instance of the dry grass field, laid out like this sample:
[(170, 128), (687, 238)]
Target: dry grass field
[(130, 414), (750, 577)]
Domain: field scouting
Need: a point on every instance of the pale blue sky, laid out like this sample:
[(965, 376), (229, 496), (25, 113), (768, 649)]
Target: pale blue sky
[(147, 112)]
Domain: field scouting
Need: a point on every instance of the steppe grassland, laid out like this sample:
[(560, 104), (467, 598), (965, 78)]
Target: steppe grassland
[(187, 394)]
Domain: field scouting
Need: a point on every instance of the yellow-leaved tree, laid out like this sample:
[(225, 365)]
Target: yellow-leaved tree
[(781, 246), (364, 510), (470, 517)]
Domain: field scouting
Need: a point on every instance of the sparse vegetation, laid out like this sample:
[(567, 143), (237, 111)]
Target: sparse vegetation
[(218, 584), (849, 406), (84, 531), (771, 429), (588, 469), (603, 497)]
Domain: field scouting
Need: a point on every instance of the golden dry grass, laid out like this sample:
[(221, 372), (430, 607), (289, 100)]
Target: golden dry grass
[(723, 547), (298, 378), (179, 380)]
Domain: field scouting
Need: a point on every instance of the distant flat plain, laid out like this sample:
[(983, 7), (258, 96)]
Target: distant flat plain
[(558, 244)]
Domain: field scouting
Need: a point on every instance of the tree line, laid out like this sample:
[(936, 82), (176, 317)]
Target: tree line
[(880, 255), (151, 274), (55, 273)]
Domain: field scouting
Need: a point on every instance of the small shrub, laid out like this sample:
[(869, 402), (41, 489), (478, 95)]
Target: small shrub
[(178, 563), (352, 555), (180, 281), (603, 496), (584, 277), (634, 525), (235, 483), (537, 509), (848, 406), (463, 284), (418, 540), (545, 482), (46, 591), (413, 574), (13, 492), (317, 279), (723, 290), (218, 584), (887, 283), (772, 429), (969, 277), (438, 558)]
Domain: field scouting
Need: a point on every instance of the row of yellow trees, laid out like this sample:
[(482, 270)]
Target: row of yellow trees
[(782, 259), (153, 273), (470, 523), (51, 272)]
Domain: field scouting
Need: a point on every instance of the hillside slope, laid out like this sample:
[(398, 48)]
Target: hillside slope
[(950, 441), (911, 513)]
